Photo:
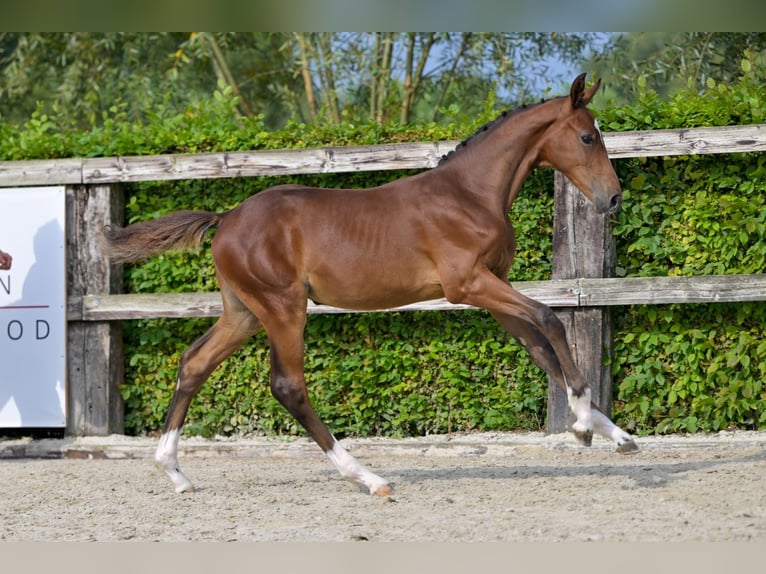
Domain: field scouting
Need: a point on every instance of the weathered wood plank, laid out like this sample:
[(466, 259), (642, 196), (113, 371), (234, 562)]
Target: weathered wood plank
[(583, 246), (555, 293), (652, 143), (387, 156), (416, 155), (666, 290), (202, 166), (40, 172), (265, 162), (94, 348), (179, 305)]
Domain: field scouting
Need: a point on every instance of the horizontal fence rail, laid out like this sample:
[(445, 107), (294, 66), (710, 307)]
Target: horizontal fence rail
[(81, 171), (605, 292)]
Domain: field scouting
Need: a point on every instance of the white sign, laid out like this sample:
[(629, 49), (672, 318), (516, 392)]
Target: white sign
[(33, 308)]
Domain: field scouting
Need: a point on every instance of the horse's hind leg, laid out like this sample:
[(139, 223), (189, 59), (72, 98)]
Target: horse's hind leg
[(288, 385), (235, 325), (543, 355)]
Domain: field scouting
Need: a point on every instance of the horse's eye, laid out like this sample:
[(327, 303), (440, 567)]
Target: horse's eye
[(587, 139)]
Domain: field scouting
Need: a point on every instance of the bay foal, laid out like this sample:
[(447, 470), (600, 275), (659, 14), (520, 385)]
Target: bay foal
[(441, 233)]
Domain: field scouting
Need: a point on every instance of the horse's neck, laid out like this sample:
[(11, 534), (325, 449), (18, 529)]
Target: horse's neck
[(497, 163)]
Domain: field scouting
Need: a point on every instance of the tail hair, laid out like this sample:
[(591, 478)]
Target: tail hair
[(179, 231)]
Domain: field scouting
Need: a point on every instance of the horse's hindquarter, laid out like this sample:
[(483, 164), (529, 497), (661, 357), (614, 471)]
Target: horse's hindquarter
[(355, 249)]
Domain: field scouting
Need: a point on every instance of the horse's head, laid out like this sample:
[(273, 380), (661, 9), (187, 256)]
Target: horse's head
[(574, 145)]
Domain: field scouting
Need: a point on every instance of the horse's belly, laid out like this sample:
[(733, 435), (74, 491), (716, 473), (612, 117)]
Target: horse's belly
[(376, 293)]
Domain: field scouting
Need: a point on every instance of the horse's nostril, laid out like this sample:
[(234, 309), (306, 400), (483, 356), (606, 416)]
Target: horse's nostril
[(615, 203)]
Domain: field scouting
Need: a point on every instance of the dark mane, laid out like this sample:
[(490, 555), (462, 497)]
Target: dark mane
[(446, 157)]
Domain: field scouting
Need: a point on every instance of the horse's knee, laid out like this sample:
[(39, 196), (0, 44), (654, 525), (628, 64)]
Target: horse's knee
[(549, 322)]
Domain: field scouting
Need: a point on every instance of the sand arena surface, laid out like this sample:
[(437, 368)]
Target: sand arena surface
[(475, 487)]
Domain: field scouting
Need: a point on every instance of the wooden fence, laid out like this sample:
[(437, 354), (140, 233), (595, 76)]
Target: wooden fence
[(581, 290)]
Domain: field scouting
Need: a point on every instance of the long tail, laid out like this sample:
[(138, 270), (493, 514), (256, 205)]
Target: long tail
[(178, 231)]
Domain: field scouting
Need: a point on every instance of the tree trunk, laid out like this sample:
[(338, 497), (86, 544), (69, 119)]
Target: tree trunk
[(327, 75), (308, 81), (224, 74), (384, 73), (413, 78)]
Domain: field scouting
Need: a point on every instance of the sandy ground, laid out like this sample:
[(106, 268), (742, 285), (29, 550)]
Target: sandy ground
[(478, 487)]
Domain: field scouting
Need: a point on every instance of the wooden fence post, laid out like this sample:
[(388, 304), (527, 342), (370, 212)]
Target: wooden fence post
[(583, 247), (94, 359)]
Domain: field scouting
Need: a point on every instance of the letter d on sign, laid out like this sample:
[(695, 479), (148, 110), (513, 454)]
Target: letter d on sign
[(43, 329)]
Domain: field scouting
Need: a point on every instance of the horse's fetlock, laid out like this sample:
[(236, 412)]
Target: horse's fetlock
[(579, 393)]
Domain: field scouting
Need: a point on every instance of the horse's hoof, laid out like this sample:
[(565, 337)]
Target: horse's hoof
[(585, 438), (382, 490), (628, 447)]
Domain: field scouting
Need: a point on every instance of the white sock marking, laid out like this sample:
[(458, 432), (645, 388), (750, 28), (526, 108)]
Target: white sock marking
[(607, 429), (352, 470), (581, 408), (166, 456)]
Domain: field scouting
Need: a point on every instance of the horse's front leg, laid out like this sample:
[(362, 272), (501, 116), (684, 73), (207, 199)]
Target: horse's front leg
[(542, 334), (602, 425), (541, 350), (544, 357)]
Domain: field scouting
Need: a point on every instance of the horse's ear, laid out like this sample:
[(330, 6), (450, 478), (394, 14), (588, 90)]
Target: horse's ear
[(578, 95)]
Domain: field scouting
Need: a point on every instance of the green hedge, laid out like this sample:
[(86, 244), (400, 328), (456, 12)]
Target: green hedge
[(692, 367), (676, 368)]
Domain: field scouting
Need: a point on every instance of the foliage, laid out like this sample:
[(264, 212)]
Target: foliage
[(691, 368), (211, 125), (672, 62), (325, 77), (389, 374)]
